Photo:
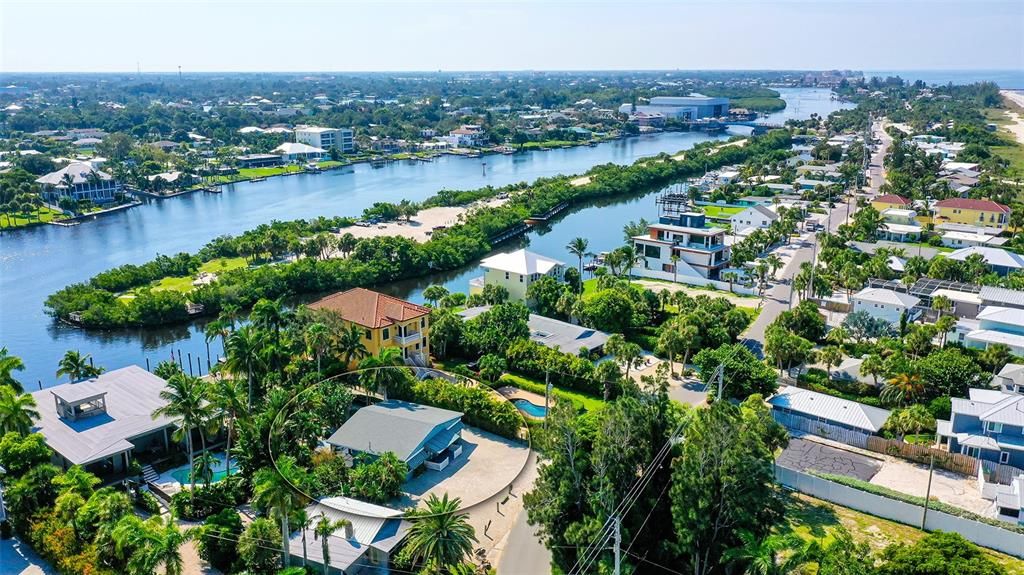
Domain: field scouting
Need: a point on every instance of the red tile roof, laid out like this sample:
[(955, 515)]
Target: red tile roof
[(369, 308), (969, 204), (892, 199)]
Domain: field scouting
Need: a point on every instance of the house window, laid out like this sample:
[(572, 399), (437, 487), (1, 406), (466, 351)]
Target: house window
[(994, 427), (423, 323), (520, 278), (368, 334), (386, 334), (506, 275), (1004, 457)]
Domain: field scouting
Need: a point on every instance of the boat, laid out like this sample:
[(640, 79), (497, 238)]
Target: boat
[(213, 190), (258, 179)]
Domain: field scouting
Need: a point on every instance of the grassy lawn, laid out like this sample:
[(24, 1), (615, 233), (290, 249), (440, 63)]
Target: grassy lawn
[(588, 402), (1014, 154), (720, 211), (22, 219), (810, 518), (329, 164), (250, 173), (184, 284)]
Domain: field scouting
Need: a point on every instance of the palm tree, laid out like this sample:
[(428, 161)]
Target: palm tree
[(440, 536), (578, 247), (76, 366), (674, 258), (351, 346), (245, 354), (161, 542), (274, 492), (874, 366), (838, 335), (229, 313), (229, 399), (186, 398), (761, 557), (317, 338), (830, 355), (729, 277), (995, 356), (902, 389), (383, 371), (217, 328), (203, 467), (941, 303), (774, 263), (9, 363), (271, 316), (325, 528), (17, 411), (944, 324)]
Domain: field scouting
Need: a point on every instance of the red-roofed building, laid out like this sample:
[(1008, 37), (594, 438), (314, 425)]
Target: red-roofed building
[(984, 213), (882, 203), (385, 321)]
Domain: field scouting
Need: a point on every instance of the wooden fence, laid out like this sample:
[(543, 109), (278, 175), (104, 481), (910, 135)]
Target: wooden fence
[(955, 462)]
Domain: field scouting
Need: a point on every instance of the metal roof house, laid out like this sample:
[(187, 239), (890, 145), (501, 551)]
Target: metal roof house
[(554, 333), (416, 434), (99, 422), (827, 409), (989, 425), (367, 544)]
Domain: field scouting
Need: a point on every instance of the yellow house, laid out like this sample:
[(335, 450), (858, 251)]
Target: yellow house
[(385, 321), (882, 203), (981, 213)]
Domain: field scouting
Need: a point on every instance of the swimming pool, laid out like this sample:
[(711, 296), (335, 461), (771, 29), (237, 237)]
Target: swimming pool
[(530, 408), (183, 475)]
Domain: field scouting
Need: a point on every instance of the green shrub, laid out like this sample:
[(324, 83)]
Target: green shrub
[(210, 499), (147, 501), (480, 406)]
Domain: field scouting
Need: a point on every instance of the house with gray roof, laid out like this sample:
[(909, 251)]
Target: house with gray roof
[(79, 181), (100, 422), (365, 544), (416, 434), (553, 333), (988, 424), (790, 401)]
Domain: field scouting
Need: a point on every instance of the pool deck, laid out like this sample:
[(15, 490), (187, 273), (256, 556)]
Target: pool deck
[(510, 393), (170, 484)]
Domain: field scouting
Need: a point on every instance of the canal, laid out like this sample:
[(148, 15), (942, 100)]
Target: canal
[(41, 260)]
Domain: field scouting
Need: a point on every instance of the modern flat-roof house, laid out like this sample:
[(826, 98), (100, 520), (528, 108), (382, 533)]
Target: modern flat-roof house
[(385, 321), (97, 423), (989, 425), (515, 271), (701, 251), (258, 160), (364, 545), (299, 152), (999, 260), (79, 181), (326, 138), (756, 216), (994, 324), (953, 239), (692, 107), (884, 304), (804, 403), (416, 434), (972, 212), (553, 333)]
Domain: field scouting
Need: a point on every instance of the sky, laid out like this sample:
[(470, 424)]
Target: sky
[(311, 35)]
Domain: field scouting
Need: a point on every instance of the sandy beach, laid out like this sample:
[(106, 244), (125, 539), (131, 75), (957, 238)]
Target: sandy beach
[(420, 226), (1017, 127)]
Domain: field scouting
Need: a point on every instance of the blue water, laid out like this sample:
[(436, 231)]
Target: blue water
[(41, 260), (530, 408), (1004, 78)]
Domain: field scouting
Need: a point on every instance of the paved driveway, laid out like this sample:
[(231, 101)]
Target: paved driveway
[(803, 455)]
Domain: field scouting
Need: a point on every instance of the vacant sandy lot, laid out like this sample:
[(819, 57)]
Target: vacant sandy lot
[(1017, 127), (419, 226)]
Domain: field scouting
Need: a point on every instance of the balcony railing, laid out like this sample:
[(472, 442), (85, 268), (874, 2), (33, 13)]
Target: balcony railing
[(701, 246), (408, 338)]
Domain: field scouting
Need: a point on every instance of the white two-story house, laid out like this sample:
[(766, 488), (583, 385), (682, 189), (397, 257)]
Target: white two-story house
[(515, 271), (682, 253)]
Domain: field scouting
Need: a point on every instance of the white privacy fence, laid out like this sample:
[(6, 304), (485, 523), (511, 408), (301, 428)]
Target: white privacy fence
[(1009, 542)]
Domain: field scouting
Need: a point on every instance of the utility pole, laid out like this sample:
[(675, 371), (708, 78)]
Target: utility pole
[(928, 491), (618, 545), (720, 371)]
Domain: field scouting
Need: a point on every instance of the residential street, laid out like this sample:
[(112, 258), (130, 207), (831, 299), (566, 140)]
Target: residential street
[(777, 298)]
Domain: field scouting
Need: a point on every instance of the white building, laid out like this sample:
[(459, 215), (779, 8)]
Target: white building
[(994, 324), (900, 225), (515, 272), (969, 239), (326, 138), (998, 260), (700, 253), (692, 107), (79, 181), (884, 304), (753, 217), (466, 137), (291, 152)]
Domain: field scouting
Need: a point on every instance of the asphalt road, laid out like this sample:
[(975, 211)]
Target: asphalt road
[(777, 298), (524, 554)]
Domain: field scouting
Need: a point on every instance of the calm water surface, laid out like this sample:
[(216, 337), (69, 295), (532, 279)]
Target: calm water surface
[(39, 261)]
